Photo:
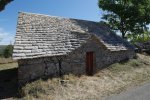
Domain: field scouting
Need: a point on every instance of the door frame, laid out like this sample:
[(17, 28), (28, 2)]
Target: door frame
[(90, 59)]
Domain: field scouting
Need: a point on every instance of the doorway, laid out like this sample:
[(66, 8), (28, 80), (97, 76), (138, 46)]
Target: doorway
[(89, 63)]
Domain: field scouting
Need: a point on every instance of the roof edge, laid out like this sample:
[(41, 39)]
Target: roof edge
[(61, 17)]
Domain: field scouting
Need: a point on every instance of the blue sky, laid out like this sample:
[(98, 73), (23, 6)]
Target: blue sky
[(79, 9)]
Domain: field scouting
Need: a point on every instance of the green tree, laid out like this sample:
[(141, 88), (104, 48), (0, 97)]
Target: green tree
[(8, 51), (3, 3), (144, 37), (127, 16)]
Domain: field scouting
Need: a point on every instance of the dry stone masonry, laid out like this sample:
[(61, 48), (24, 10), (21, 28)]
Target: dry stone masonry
[(42, 40)]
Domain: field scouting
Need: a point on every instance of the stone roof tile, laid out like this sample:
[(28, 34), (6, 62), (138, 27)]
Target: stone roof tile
[(41, 35)]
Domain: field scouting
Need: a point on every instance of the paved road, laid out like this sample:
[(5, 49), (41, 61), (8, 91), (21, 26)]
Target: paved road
[(138, 93)]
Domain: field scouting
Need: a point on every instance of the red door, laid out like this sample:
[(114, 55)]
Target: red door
[(89, 63)]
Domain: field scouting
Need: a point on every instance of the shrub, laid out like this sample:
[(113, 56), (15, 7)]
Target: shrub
[(8, 51)]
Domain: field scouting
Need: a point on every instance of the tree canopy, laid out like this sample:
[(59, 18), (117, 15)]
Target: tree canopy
[(144, 37), (3, 3), (127, 16)]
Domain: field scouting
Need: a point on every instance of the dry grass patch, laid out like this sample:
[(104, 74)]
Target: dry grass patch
[(7, 63), (8, 66), (5, 60), (114, 79)]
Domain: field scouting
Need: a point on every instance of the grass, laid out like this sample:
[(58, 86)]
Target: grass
[(6, 60), (7, 63), (8, 66), (128, 66), (112, 80)]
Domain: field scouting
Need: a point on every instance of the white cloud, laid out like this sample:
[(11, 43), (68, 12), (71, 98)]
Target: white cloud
[(6, 37)]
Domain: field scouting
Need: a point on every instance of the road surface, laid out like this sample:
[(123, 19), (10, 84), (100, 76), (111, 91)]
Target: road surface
[(138, 93)]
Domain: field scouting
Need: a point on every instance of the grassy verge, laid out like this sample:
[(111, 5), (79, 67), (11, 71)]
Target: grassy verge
[(8, 66), (7, 63), (5, 60), (114, 79)]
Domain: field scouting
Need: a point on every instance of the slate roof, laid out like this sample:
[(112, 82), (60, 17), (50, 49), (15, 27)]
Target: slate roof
[(42, 35)]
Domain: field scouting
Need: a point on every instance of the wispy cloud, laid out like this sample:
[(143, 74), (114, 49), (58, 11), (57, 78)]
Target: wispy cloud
[(6, 37)]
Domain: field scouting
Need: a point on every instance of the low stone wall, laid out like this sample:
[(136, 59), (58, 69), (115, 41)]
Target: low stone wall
[(73, 63), (113, 57)]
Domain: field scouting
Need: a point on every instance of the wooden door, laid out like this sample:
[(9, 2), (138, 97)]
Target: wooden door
[(89, 63)]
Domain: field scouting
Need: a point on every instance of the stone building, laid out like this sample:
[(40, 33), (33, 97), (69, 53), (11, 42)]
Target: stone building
[(51, 46)]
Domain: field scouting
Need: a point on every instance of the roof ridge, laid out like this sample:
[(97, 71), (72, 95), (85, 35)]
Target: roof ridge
[(61, 17)]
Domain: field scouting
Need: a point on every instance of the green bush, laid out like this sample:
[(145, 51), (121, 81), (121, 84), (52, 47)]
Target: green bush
[(142, 37), (8, 51)]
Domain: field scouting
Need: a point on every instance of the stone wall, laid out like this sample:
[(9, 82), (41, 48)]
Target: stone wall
[(73, 63)]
